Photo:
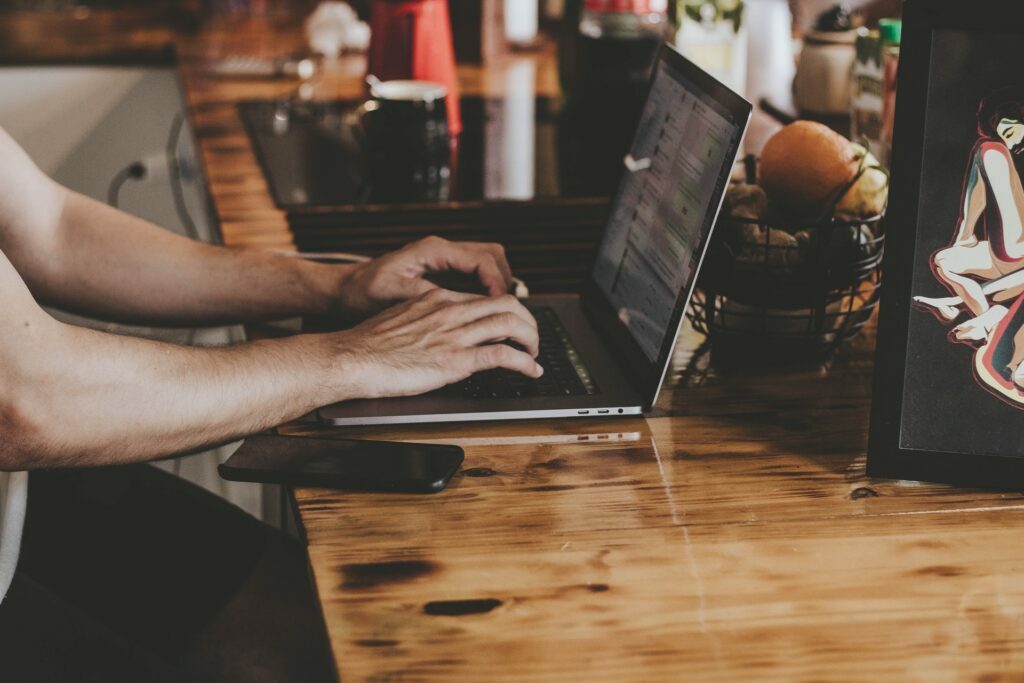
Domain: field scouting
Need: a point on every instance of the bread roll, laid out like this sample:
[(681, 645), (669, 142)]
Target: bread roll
[(745, 201)]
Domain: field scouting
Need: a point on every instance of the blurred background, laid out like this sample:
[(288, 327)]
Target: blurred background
[(542, 98)]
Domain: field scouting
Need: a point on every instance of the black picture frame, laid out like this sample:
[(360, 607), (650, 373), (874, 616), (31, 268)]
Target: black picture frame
[(929, 421)]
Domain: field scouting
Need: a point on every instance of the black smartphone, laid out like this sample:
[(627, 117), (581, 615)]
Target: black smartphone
[(344, 464)]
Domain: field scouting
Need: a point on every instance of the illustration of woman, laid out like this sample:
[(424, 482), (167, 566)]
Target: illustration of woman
[(974, 269), (986, 275)]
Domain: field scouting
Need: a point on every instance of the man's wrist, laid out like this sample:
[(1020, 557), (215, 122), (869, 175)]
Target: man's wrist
[(342, 368), (325, 286)]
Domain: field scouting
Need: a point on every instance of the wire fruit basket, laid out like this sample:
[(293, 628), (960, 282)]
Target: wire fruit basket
[(773, 290)]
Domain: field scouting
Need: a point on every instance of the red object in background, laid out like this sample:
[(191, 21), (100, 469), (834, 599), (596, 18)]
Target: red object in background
[(412, 39), (628, 6)]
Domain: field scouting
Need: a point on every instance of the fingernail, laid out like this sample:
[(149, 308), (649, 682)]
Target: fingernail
[(540, 370)]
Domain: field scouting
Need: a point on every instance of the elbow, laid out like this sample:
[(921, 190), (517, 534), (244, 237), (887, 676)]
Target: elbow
[(22, 444), (29, 438)]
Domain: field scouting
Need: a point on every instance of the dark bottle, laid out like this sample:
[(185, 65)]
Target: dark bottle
[(616, 43), (607, 51)]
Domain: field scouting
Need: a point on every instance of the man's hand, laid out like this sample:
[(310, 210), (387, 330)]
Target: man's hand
[(123, 399), (373, 286), (438, 338)]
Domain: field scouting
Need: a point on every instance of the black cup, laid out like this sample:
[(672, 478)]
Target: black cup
[(407, 144)]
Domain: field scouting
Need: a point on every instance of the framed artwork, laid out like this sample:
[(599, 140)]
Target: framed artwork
[(949, 376)]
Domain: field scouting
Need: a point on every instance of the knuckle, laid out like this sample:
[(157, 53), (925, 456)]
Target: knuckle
[(503, 354), (436, 294), (485, 356), (449, 297), (472, 305), (508, 319), (494, 353)]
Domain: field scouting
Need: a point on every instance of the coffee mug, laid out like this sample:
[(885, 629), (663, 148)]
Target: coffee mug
[(412, 39), (406, 106), (406, 140)]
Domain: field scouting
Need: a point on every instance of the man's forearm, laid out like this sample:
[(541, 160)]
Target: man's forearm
[(109, 264), (90, 398), (73, 396)]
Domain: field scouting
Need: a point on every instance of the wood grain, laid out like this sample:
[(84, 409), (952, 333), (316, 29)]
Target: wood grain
[(733, 537), (139, 35)]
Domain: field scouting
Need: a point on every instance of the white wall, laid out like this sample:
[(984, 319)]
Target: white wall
[(82, 125), (34, 106)]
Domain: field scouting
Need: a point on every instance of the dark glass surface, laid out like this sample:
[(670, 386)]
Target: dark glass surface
[(316, 154)]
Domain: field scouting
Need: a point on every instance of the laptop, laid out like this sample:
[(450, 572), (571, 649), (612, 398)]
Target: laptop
[(605, 352)]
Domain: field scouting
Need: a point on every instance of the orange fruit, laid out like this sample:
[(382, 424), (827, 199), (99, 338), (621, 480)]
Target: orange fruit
[(805, 166)]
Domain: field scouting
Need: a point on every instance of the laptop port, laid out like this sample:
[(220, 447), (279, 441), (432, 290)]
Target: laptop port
[(583, 412), (603, 412)]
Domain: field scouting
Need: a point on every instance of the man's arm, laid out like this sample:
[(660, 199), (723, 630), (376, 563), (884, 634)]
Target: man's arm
[(71, 396), (86, 257)]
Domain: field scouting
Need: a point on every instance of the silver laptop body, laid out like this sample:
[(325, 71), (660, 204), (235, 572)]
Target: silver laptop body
[(622, 327)]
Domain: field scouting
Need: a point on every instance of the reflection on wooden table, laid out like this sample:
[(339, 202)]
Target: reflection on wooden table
[(732, 536)]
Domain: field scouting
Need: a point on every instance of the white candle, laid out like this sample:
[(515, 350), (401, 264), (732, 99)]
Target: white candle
[(520, 20), (510, 131)]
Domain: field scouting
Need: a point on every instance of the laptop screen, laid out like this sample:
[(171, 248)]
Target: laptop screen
[(668, 201)]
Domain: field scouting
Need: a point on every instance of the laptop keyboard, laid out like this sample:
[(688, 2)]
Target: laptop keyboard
[(564, 371)]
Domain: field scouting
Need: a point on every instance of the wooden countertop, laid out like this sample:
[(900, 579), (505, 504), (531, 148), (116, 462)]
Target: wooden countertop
[(145, 35), (732, 535)]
